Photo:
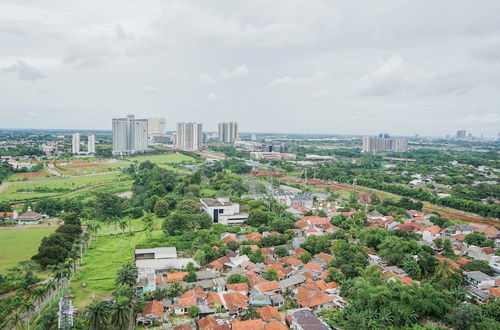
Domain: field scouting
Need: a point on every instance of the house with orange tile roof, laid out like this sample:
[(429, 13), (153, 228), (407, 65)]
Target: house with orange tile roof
[(314, 299), (275, 325), (247, 325), (293, 262), (268, 287), (429, 234), (254, 278), (176, 277), (495, 291), (299, 251), (324, 256), (269, 313), (153, 311), (218, 264), (238, 287), (313, 267), (235, 302), (254, 237), (330, 286), (207, 323)]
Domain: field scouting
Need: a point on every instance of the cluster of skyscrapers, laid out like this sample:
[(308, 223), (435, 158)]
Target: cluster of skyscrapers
[(75, 144), (132, 135), (384, 143)]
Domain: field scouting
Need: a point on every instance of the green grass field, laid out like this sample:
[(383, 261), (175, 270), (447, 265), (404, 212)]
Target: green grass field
[(164, 159), (18, 244), (27, 190), (137, 225)]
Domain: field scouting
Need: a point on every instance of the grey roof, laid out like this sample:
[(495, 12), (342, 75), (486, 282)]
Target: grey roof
[(477, 276), (220, 281), (215, 202), (163, 264), (292, 281), (207, 274), (308, 320), (159, 252)]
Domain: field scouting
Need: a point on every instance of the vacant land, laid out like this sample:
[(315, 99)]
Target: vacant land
[(57, 186), (112, 228), (18, 244), (85, 167), (95, 278), (164, 159)]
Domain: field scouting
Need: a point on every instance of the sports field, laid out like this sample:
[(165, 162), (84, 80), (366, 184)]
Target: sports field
[(18, 244)]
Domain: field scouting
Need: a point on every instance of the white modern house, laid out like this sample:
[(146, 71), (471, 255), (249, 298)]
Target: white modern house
[(223, 211)]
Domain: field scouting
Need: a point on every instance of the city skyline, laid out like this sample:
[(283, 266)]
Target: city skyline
[(406, 68)]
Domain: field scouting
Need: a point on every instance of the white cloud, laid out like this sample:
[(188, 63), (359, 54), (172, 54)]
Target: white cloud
[(205, 79), (287, 80), (481, 120), (212, 97), (240, 71), (395, 76), (489, 52), (93, 57), (322, 93), (151, 90), (24, 71)]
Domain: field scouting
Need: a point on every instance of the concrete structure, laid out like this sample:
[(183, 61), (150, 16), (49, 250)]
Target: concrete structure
[(223, 211), (479, 279), (189, 136), (375, 144), (271, 155), (157, 126), (130, 135), (228, 132), (461, 134), (75, 144), (91, 144), (30, 218)]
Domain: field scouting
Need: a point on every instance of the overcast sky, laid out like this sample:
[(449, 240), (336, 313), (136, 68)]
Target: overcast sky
[(300, 66)]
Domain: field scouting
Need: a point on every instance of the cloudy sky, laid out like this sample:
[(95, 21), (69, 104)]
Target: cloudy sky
[(304, 66)]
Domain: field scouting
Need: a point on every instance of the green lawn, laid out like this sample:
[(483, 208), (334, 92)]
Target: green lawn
[(99, 266), (137, 225), (164, 159), (27, 190), (18, 244)]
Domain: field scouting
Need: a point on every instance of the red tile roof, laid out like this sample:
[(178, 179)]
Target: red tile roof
[(235, 300), (207, 323), (154, 307), (268, 286), (269, 313), (312, 266), (247, 325), (175, 277), (308, 298), (276, 325), (324, 256), (238, 287)]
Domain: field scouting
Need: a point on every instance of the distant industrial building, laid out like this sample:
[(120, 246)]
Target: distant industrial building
[(75, 144), (461, 134), (376, 144), (157, 126), (130, 135), (228, 132), (91, 144), (189, 136)]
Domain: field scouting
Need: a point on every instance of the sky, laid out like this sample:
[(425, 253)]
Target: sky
[(427, 67)]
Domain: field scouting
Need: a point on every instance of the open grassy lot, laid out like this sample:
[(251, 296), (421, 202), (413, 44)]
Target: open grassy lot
[(18, 244), (58, 186), (166, 159), (84, 167), (100, 264), (137, 225)]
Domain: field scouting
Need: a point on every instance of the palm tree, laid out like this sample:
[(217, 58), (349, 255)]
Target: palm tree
[(28, 307), (129, 225), (38, 294), (444, 269), (15, 321), (123, 225), (74, 255), (120, 313), (50, 286), (127, 275), (97, 315), (96, 228)]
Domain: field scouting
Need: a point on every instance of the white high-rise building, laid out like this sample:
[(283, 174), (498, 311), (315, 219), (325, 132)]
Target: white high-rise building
[(228, 132), (130, 135), (75, 144), (374, 144), (157, 126), (91, 144), (189, 136)]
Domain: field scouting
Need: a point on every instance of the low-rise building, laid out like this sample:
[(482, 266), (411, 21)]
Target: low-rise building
[(223, 211)]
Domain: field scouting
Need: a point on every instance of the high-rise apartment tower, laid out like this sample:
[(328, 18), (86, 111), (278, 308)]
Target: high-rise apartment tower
[(130, 135), (189, 136), (75, 144), (91, 144), (228, 132)]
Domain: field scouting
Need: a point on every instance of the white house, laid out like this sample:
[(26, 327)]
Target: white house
[(223, 211), (479, 279)]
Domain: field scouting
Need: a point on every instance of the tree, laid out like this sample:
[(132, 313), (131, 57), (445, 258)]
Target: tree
[(478, 239), (126, 275), (97, 315), (233, 245), (305, 257), (120, 312), (256, 256), (190, 277), (188, 206), (237, 278), (161, 208), (317, 244), (175, 290), (281, 251), (193, 311), (123, 225), (271, 275), (478, 265)]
